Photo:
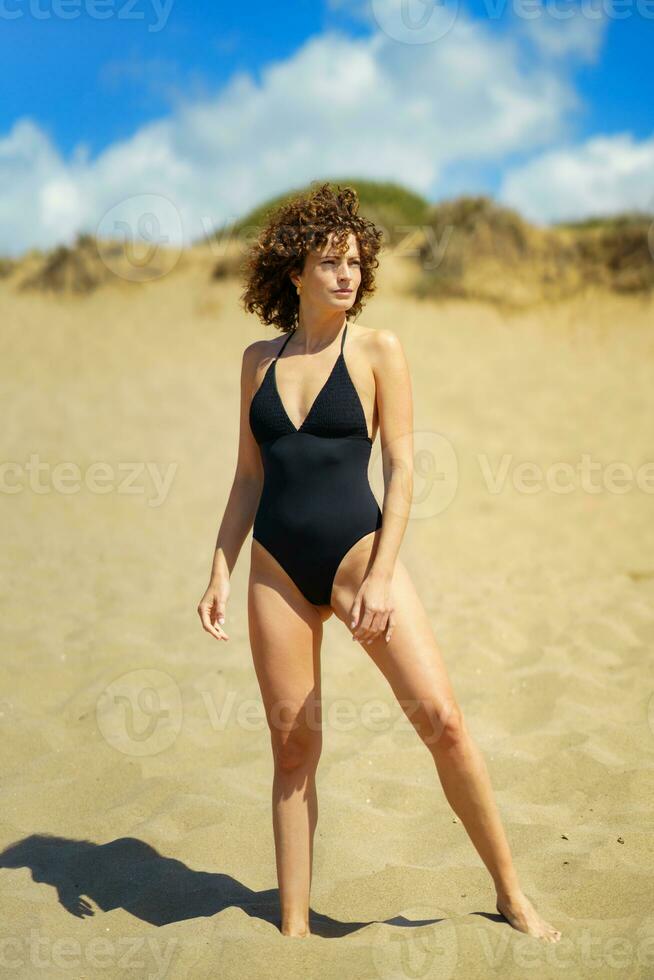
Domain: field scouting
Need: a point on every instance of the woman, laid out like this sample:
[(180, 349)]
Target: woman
[(321, 545)]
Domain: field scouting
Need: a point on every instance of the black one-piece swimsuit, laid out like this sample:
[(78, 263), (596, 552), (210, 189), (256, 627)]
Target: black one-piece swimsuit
[(316, 501)]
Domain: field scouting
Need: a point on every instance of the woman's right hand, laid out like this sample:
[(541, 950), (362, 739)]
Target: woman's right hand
[(212, 608)]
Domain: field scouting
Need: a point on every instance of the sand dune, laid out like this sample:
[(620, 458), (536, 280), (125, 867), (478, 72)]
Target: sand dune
[(137, 742)]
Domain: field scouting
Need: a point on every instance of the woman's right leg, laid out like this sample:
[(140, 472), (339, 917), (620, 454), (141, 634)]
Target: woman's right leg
[(285, 637)]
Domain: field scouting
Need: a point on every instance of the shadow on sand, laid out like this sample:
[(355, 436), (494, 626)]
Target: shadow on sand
[(130, 874)]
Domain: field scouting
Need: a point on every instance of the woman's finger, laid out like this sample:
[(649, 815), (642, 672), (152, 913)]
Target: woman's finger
[(363, 625), (206, 617), (367, 631), (355, 611)]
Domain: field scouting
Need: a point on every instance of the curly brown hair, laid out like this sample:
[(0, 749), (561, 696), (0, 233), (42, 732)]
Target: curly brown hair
[(293, 229)]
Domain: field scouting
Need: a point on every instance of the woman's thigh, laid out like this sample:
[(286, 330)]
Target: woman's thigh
[(285, 638), (411, 661)]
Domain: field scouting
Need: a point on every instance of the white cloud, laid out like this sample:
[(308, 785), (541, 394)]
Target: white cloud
[(372, 106), (562, 31), (28, 162), (604, 175)]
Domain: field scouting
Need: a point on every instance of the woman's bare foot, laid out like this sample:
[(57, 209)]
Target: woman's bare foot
[(521, 914)]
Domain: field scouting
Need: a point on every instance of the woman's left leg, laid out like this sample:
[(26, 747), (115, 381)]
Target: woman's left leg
[(413, 666)]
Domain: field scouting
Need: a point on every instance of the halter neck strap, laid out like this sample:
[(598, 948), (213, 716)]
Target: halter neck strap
[(291, 332)]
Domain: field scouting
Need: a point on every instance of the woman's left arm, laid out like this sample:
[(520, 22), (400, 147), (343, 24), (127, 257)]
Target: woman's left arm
[(395, 408)]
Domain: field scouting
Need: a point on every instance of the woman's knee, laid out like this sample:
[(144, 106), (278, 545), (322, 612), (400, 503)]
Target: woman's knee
[(296, 749), (442, 725)]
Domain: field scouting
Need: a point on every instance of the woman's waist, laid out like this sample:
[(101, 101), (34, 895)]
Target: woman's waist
[(305, 503), (328, 489)]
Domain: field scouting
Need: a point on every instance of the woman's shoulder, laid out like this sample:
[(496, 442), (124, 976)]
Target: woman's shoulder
[(380, 341), (264, 348)]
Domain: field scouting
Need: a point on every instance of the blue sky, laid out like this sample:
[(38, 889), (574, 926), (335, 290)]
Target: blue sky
[(185, 99)]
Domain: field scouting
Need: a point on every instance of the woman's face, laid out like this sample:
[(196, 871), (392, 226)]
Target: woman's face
[(329, 279)]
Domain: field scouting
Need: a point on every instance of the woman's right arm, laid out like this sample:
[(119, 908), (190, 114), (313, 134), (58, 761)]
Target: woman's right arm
[(241, 505)]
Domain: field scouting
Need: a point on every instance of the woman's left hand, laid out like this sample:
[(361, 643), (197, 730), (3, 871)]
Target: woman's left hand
[(373, 605)]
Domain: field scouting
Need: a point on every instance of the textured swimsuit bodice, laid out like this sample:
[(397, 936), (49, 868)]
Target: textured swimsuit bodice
[(336, 413), (316, 501)]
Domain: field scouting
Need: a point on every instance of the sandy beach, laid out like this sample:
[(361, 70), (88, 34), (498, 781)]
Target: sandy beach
[(136, 835)]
